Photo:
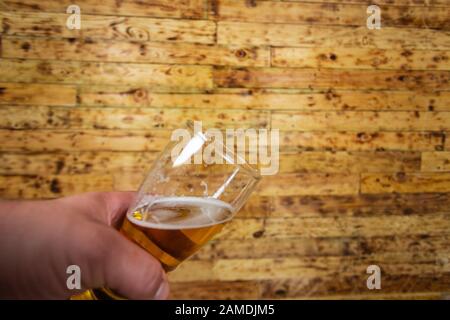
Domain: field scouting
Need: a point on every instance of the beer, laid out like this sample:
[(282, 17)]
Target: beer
[(173, 228)]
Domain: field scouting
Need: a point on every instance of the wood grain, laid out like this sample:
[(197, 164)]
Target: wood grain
[(360, 58), (153, 52), (38, 94), (382, 204), (294, 35), (324, 13), (74, 72), (435, 161), (361, 120), (405, 182), (364, 119), (362, 141), (153, 8), (331, 78), (336, 100), (47, 24)]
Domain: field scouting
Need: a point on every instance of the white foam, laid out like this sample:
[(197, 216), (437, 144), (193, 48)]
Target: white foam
[(211, 211)]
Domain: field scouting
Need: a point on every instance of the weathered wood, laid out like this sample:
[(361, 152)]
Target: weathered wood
[(292, 35), (361, 120), (21, 117), (153, 8), (87, 140), (405, 182), (153, 52), (361, 58), (305, 268), (319, 247), (325, 13), (140, 118), (351, 162), (48, 186), (362, 141), (331, 78), (260, 99), (215, 290), (360, 205), (88, 162), (107, 27), (379, 226), (435, 161), (309, 184), (420, 3), (73, 72), (37, 94), (18, 117), (357, 284)]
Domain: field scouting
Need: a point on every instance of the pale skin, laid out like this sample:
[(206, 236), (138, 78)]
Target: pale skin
[(40, 239)]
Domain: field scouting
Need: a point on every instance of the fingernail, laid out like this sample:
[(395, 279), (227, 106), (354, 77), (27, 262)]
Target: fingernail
[(163, 291)]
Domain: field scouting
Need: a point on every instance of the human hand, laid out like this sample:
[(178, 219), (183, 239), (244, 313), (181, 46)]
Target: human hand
[(40, 239)]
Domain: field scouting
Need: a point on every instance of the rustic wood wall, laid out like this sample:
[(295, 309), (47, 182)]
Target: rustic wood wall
[(364, 115)]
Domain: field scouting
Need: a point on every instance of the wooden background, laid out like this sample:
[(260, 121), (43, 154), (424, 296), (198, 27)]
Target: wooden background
[(364, 117)]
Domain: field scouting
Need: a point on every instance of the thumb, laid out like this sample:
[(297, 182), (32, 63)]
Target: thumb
[(130, 271)]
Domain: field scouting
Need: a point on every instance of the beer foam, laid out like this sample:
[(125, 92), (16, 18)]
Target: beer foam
[(180, 212)]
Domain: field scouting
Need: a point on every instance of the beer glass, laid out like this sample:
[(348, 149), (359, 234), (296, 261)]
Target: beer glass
[(193, 189)]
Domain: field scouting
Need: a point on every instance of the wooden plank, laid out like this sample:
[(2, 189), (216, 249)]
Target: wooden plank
[(419, 3), (305, 268), (360, 205), (260, 99), (153, 52), (44, 24), (30, 117), (207, 290), (362, 141), (37, 94), (405, 182), (331, 78), (356, 284), (377, 226), (87, 140), (140, 118), (153, 8), (73, 72), (292, 35), (360, 58), (311, 184), (327, 13), (17, 117), (319, 247), (361, 120), (349, 162), (88, 162), (48, 186), (435, 161)]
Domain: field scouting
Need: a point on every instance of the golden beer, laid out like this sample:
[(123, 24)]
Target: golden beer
[(173, 228)]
